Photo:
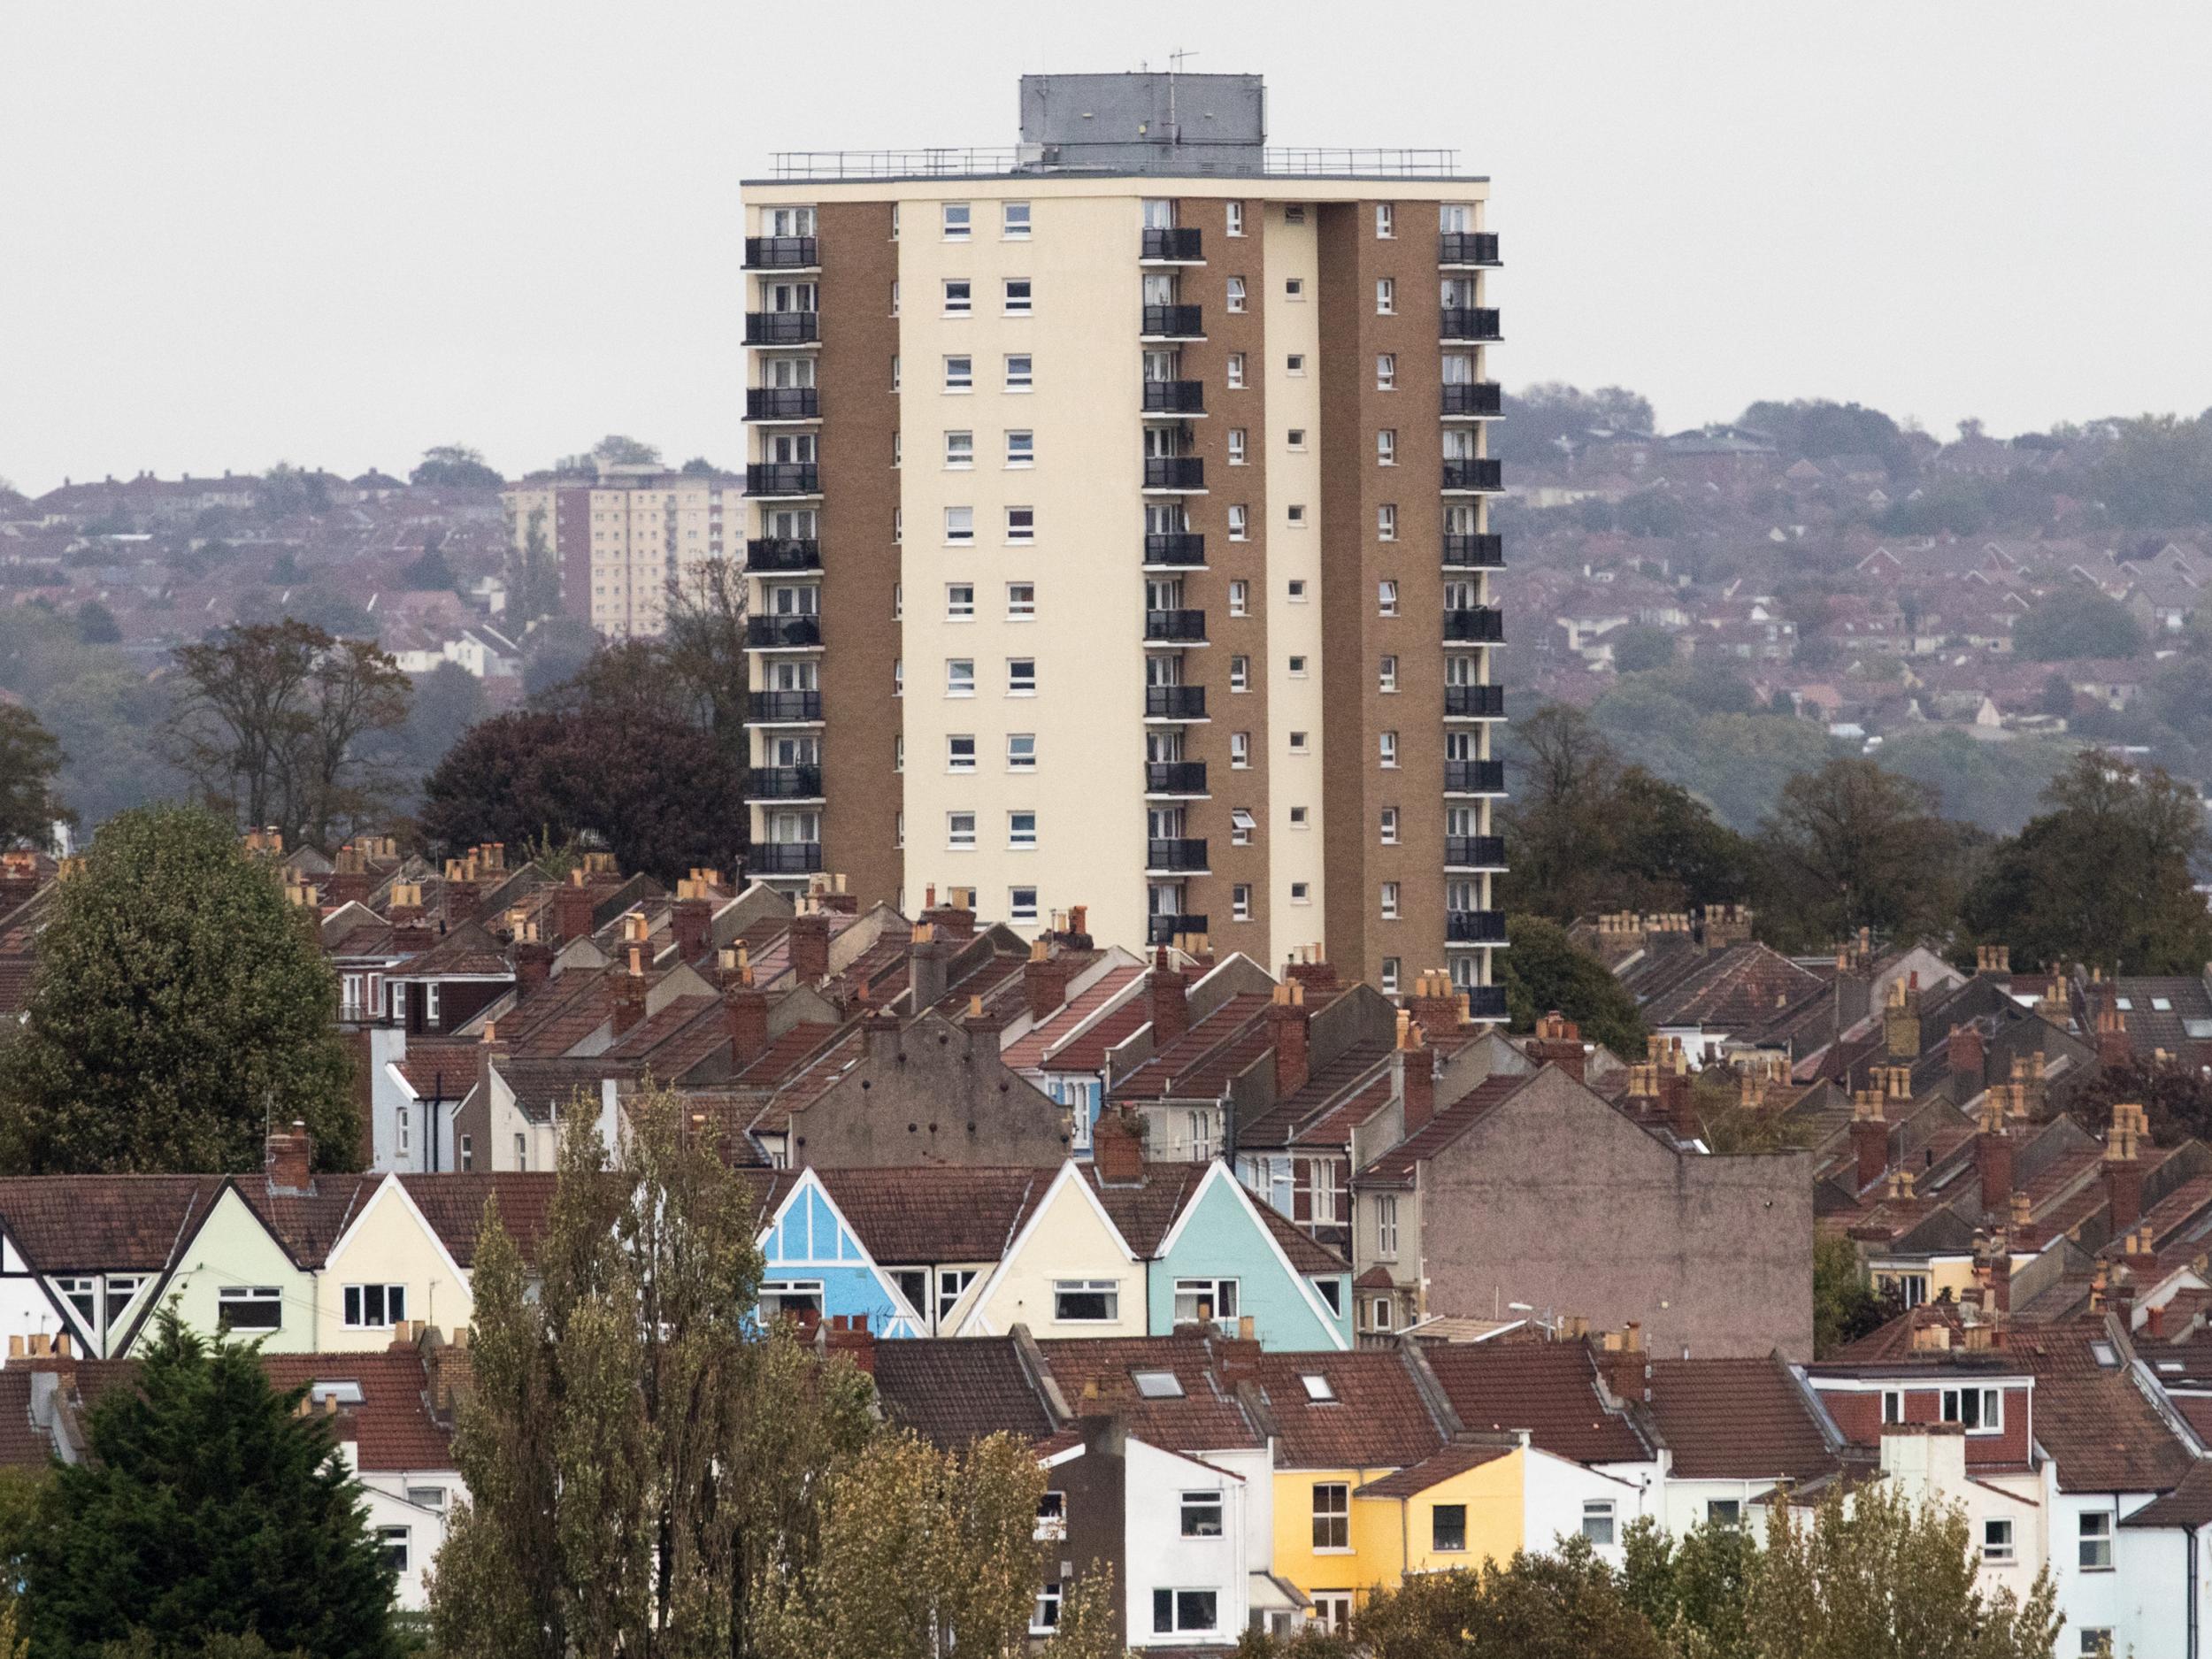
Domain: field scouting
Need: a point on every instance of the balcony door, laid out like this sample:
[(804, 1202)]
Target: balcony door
[(789, 297), (792, 448)]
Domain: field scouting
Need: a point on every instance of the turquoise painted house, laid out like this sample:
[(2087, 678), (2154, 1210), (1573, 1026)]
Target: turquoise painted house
[(1226, 1258), (814, 1262)]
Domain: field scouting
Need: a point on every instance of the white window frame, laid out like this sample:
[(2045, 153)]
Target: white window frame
[(1386, 221), (1108, 1289), (1023, 303), (391, 1305), (1233, 213), (1011, 228), (959, 296), (1999, 1548), (960, 830), (1385, 297), (1331, 1514), (1235, 368), (2093, 1541), (1025, 378), (958, 220), (1606, 1514), (232, 1297), (1021, 676), (1235, 296), (959, 374)]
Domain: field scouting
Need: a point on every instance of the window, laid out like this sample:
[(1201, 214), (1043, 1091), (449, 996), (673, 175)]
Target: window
[(1386, 371), (1387, 673), (1241, 824), (427, 1497), (1385, 297), (1021, 526), (1390, 827), (959, 296), (960, 752), (2097, 1642), (1021, 601), (1295, 516), (1085, 1301), (1240, 518), (1448, 1528), (374, 1307), (1300, 892), (895, 298), (1021, 904), (960, 831), (1202, 1515), (1200, 1300), (1389, 975), (2096, 1541), (952, 1283), (392, 1544), (958, 219), (1044, 1619), (913, 1283), (959, 375), (1294, 364), (1021, 751), (1386, 523), (1295, 438), (1157, 1384), (1390, 900), (1235, 213), (1332, 1515), (959, 524), (468, 1152), (1980, 1410), (1013, 221), (960, 677), (1294, 288), (250, 1308), (1386, 598), (1019, 374), (1236, 292), (1724, 1511), (1239, 673), (960, 449), (1239, 598), (1383, 1314), (1021, 448), (1297, 668), (1018, 296), (1387, 1227), (1295, 214), (1236, 370), (1241, 902), (895, 371), (1597, 1520), (1996, 1540), (1021, 829), (1386, 448), (1236, 446), (898, 447), (1021, 676), (1386, 220), (1240, 750), (1174, 1610), (1892, 1405)]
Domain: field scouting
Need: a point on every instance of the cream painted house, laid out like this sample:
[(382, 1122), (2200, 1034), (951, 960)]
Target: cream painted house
[(388, 1266), (1068, 1273), (234, 1273)]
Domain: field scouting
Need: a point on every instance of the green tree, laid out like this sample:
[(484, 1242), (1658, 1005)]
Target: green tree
[(287, 491), (1545, 971), (2105, 877), (1815, 428), (1854, 846), (700, 467), (29, 761), (430, 571), (455, 466), (180, 1003), (207, 1508), (1563, 771), (2077, 622), (1637, 649), (1844, 1305), (614, 449), (96, 623), (534, 584), (1694, 1591), (1563, 1605)]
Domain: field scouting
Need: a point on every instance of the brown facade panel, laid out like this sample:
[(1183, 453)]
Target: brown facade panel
[(860, 561)]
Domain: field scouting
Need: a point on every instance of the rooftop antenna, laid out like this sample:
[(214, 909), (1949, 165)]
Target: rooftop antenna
[(1174, 67)]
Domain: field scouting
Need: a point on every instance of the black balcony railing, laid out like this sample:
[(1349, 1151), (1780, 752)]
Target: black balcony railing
[(1483, 473), (784, 708), (1474, 398), (1175, 703), (1474, 852), (1173, 243), (1183, 854), (1175, 777), (1175, 398), (1474, 702), (1470, 322), (1174, 627), (782, 253), (1165, 930), (783, 554), (785, 858), (1173, 322), (1467, 247), (783, 478), (1179, 548), (1485, 1002), (1483, 624), (1174, 472), (1474, 552), (784, 783), (1474, 927), (782, 329), (1474, 777), (789, 402), (767, 633)]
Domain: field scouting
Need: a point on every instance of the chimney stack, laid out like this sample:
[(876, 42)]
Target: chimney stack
[(1900, 1019), (1993, 1156), (573, 906), (1416, 1075), (1310, 970), (848, 1333), (927, 959), (744, 1008), (1965, 1053), (1171, 1002), (1117, 1148), (692, 921), (1289, 1034), (1557, 1041), (1678, 1100), (2113, 1050), (1434, 1005), (286, 1159), (2123, 1168), (534, 959), (1869, 1137), (1045, 980), (809, 947)]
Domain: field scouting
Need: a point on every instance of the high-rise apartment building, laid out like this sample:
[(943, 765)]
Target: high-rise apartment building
[(1118, 530), (623, 538)]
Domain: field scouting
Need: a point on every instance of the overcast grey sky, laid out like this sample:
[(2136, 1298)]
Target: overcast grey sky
[(335, 233)]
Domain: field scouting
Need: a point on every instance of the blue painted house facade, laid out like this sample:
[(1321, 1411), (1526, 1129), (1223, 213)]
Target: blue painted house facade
[(812, 1262), (1221, 1259)]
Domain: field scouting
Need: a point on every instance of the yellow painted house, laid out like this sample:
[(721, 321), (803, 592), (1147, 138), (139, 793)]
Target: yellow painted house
[(389, 1266)]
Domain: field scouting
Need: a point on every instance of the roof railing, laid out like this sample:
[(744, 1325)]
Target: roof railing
[(963, 160)]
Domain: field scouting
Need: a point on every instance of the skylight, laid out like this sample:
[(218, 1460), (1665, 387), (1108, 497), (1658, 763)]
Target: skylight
[(1316, 1387), (2161, 1004), (346, 1394), (2126, 1005), (1157, 1384), (2104, 1354)]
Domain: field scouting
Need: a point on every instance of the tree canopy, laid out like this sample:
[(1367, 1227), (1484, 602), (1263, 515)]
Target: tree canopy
[(2080, 622), (180, 1003), (30, 760), (455, 466), (1546, 971)]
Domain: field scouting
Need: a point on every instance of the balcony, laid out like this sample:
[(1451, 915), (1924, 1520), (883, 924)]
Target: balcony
[(1473, 397), (1175, 550), (1175, 703), (784, 708), (781, 555), (1485, 1002), (783, 328), (1174, 322), (792, 253), (1172, 246), (1174, 472), (1470, 322), (1474, 927), (1474, 702), (1165, 930), (1474, 476), (1174, 627), (789, 402), (1175, 777), (1474, 852), (785, 858), (784, 783), (1467, 247), (1175, 398), (1474, 552), (1483, 624), (1183, 857), (783, 478), (782, 633), (1474, 777)]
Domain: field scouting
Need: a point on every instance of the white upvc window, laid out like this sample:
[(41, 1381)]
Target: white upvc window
[(1241, 902), (1236, 446), (960, 677), (1386, 597), (1385, 297), (959, 219), (1386, 371), (960, 525), (1236, 294), (1387, 448), (1021, 448), (1234, 211), (1386, 220), (1013, 221), (374, 1307), (1390, 900), (1240, 750), (960, 831), (1386, 674), (1085, 1301), (1019, 299), (960, 601), (1020, 371), (1021, 524), (1236, 370), (959, 296), (960, 450), (959, 374), (1021, 829)]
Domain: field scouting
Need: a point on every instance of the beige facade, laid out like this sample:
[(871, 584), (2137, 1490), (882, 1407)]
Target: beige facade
[(1131, 494), (624, 538)]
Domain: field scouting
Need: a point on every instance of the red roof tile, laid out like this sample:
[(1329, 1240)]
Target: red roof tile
[(951, 1392), (1431, 1470), (1375, 1419), (1029, 1051), (393, 1432), (112, 1223), (909, 1215), (1737, 1419), (1549, 1388), (1099, 1374), (454, 1204)]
